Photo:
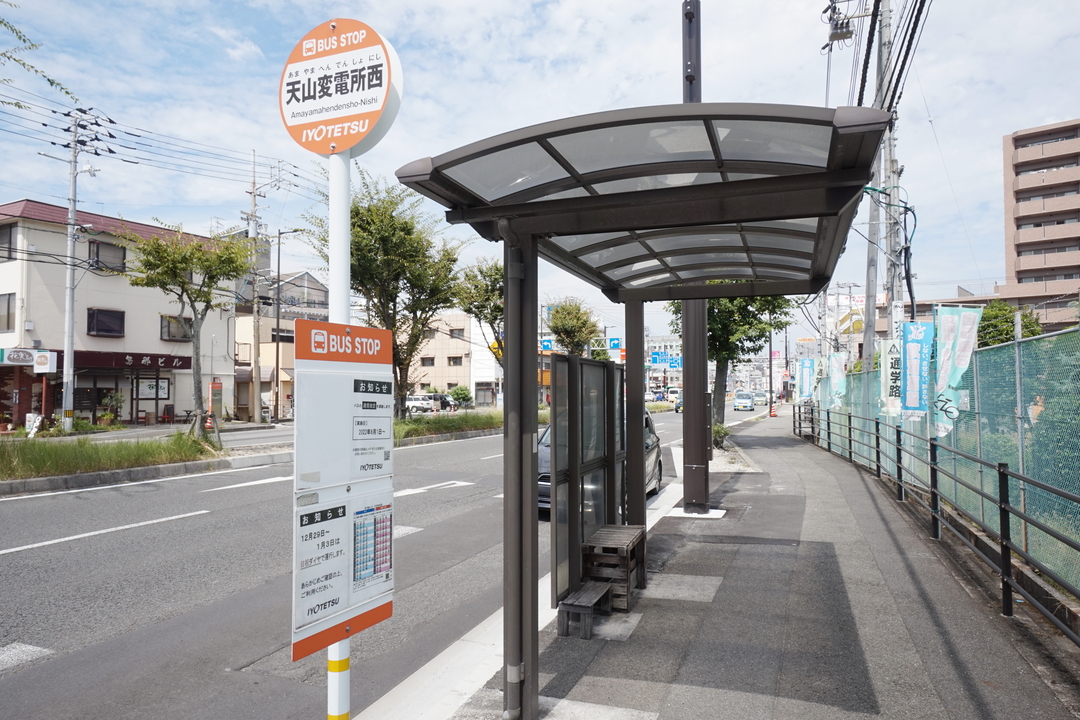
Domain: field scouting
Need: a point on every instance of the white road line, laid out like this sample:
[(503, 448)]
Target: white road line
[(492, 457), (401, 531), (283, 478), (129, 484), (18, 653), (438, 486), (102, 532)]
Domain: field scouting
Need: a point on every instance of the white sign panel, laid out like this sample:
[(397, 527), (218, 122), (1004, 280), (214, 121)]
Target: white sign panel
[(343, 577)]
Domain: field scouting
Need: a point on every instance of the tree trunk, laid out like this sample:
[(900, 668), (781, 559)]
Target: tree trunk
[(199, 428), (720, 392)]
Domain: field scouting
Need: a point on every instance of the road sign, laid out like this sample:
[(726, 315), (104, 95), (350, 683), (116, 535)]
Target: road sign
[(614, 343), (547, 344), (341, 88), (343, 495), (675, 363)]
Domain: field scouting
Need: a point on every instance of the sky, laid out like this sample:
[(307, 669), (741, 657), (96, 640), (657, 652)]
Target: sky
[(193, 86)]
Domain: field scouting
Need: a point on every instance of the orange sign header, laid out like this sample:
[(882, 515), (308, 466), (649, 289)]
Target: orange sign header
[(334, 86), (342, 343)]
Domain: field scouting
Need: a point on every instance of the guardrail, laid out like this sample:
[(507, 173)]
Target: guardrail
[(890, 452)]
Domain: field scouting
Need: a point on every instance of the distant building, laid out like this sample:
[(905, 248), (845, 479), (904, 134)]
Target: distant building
[(455, 353), (1042, 229)]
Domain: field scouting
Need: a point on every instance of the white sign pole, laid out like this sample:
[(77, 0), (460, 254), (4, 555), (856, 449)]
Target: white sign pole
[(338, 250)]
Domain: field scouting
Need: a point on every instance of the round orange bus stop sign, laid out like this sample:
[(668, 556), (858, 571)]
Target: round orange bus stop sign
[(338, 83)]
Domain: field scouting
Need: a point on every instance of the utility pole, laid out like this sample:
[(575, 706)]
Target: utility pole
[(80, 120), (255, 393)]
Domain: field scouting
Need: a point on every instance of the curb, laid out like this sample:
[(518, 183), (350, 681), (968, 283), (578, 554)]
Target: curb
[(147, 472), (428, 439)]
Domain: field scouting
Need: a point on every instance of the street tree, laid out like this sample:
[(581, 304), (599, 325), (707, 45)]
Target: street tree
[(737, 328), (398, 265), (194, 271), (13, 55), (997, 323), (480, 296), (573, 324)]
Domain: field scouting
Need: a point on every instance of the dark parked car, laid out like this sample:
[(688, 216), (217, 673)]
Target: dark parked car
[(654, 467), (678, 403)]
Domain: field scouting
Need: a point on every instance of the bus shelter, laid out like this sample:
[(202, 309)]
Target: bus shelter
[(647, 204)]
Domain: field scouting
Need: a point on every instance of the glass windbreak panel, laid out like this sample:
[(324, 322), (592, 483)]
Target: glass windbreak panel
[(780, 242), (633, 268), (592, 412), (571, 193), (781, 142), (618, 419), (620, 492), (655, 182), (712, 258), (693, 242), (640, 144), (781, 260), (592, 502), (507, 171), (576, 242), (735, 177), (560, 399), (613, 254), (562, 539)]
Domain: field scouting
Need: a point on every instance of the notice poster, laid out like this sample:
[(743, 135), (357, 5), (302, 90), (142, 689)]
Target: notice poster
[(343, 494), (806, 378), (915, 352), (891, 374)]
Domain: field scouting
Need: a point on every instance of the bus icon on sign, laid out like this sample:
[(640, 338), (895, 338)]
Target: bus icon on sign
[(318, 341)]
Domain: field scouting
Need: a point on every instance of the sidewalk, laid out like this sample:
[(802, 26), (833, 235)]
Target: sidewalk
[(815, 596)]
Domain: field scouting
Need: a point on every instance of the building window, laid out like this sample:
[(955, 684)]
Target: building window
[(425, 386), (427, 362), (105, 323), (7, 312), (454, 361), (429, 333), (286, 336), (7, 242), (451, 386), (457, 333), (173, 330), (106, 256)]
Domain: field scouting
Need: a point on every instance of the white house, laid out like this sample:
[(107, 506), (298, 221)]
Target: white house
[(124, 339)]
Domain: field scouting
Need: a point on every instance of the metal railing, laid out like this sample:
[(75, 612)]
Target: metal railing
[(892, 453)]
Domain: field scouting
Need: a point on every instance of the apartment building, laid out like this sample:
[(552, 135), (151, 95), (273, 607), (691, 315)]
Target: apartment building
[(126, 338), (1042, 221)]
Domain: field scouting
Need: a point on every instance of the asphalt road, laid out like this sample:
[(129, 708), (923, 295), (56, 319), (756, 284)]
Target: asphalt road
[(171, 598)]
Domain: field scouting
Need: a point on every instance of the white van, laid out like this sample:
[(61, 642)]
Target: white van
[(672, 394)]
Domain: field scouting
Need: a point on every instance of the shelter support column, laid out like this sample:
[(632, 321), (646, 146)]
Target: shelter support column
[(696, 420), (634, 312), (520, 518)]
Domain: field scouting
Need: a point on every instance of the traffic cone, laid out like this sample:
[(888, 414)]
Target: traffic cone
[(772, 410), (209, 422)]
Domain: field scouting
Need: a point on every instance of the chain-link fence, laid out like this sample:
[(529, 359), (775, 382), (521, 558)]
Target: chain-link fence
[(1019, 404)]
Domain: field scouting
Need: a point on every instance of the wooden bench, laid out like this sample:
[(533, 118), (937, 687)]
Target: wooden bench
[(616, 554), (582, 603)]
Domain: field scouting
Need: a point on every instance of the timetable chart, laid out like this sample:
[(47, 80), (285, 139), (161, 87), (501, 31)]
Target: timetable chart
[(373, 545)]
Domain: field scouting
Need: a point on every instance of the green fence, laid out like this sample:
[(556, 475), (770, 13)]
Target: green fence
[(1020, 404)]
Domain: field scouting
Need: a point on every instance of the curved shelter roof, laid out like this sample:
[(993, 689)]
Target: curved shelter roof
[(650, 203)]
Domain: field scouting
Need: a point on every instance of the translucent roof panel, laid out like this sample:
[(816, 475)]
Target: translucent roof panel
[(653, 182), (781, 260), (781, 142), (637, 144), (807, 225), (719, 272), (507, 171), (686, 242), (576, 242), (632, 269), (614, 254), (705, 258), (571, 193), (650, 280), (779, 242)]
